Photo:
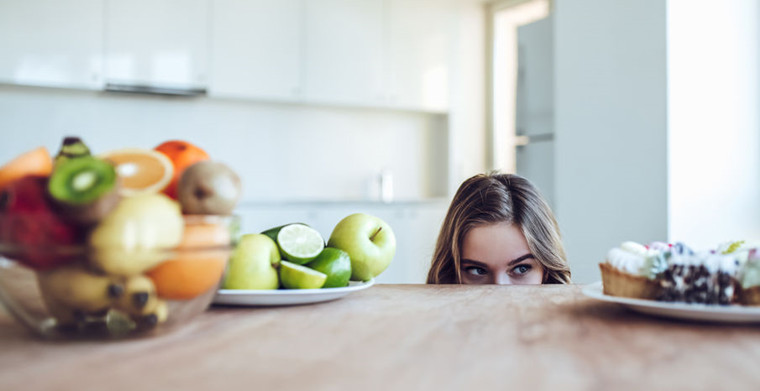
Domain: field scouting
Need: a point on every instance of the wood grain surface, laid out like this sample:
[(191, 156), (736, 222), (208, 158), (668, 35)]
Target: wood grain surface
[(410, 337)]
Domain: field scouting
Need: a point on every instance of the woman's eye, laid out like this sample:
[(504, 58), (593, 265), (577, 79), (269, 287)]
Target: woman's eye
[(521, 269), (476, 271)]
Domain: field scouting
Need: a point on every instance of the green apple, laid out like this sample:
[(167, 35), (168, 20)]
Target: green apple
[(294, 276), (336, 264), (252, 264), (369, 242)]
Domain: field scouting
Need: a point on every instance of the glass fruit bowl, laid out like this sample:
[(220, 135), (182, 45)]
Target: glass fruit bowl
[(106, 292)]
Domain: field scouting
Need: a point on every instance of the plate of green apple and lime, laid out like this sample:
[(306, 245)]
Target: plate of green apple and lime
[(292, 265)]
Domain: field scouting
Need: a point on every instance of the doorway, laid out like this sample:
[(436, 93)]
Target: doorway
[(521, 91)]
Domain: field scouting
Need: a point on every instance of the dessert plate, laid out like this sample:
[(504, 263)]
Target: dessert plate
[(699, 312), (277, 297)]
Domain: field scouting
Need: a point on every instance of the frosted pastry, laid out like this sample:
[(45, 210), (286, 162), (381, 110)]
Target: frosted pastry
[(750, 280), (630, 271)]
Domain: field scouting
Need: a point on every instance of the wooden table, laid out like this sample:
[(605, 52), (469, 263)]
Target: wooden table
[(411, 337)]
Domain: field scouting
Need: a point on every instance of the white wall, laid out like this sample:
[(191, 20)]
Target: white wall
[(611, 126), (467, 121), (282, 152), (714, 129)]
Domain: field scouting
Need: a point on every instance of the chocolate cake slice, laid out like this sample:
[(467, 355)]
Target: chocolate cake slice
[(705, 277)]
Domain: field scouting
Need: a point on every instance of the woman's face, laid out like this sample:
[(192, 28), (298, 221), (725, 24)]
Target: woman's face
[(498, 254)]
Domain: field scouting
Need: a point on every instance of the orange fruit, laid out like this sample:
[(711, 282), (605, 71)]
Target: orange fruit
[(36, 162), (182, 155), (199, 264), (140, 170)]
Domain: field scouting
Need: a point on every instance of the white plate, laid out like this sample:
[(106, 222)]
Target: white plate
[(277, 297), (700, 312)]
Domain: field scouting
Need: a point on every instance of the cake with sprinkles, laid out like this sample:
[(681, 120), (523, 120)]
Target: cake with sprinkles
[(707, 277), (726, 275)]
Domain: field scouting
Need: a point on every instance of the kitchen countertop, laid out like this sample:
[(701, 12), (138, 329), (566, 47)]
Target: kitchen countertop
[(403, 337)]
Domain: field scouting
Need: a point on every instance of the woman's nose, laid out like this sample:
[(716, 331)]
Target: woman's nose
[(502, 279)]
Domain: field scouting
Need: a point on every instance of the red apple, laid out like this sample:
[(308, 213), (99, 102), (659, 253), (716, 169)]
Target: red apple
[(31, 232)]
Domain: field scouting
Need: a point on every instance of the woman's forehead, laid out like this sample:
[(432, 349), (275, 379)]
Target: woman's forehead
[(494, 243)]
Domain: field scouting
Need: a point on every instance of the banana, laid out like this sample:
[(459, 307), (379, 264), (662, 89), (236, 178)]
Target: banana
[(141, 303), (139, 296), (71, 292), (158, 315), (71, 148), (162, 311)]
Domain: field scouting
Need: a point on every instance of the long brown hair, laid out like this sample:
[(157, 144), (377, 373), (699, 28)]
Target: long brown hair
[(496, 198)]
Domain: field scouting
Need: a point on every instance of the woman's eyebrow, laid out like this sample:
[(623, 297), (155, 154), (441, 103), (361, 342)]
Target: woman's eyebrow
[(476, 263), (520, 259)]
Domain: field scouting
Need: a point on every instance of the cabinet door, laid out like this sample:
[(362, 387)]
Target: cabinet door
[(344, 51), (256, 48), (51, 42), (157, 42), (420, 37)]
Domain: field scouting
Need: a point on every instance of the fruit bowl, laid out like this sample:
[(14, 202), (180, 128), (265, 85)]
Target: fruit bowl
[(80, 294)]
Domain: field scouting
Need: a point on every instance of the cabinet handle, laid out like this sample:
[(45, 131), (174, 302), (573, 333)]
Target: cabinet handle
[(154, 90), (523, 140)]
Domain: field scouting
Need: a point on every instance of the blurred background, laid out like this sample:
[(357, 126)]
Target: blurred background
[(638, 119)]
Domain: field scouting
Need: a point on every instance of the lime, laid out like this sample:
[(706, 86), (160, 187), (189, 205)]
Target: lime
[(299, 243), (294, 276), (272, 232), (336, 264)]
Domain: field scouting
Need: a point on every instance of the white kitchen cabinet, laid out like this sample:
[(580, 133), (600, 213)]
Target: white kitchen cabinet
[(157, 42), (344, 51), (256, 48), (51, 43), (353, 52), (419, 53)]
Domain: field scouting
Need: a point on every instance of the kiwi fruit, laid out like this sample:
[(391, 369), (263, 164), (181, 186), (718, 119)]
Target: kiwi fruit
[(71, 148), (84, 189)]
